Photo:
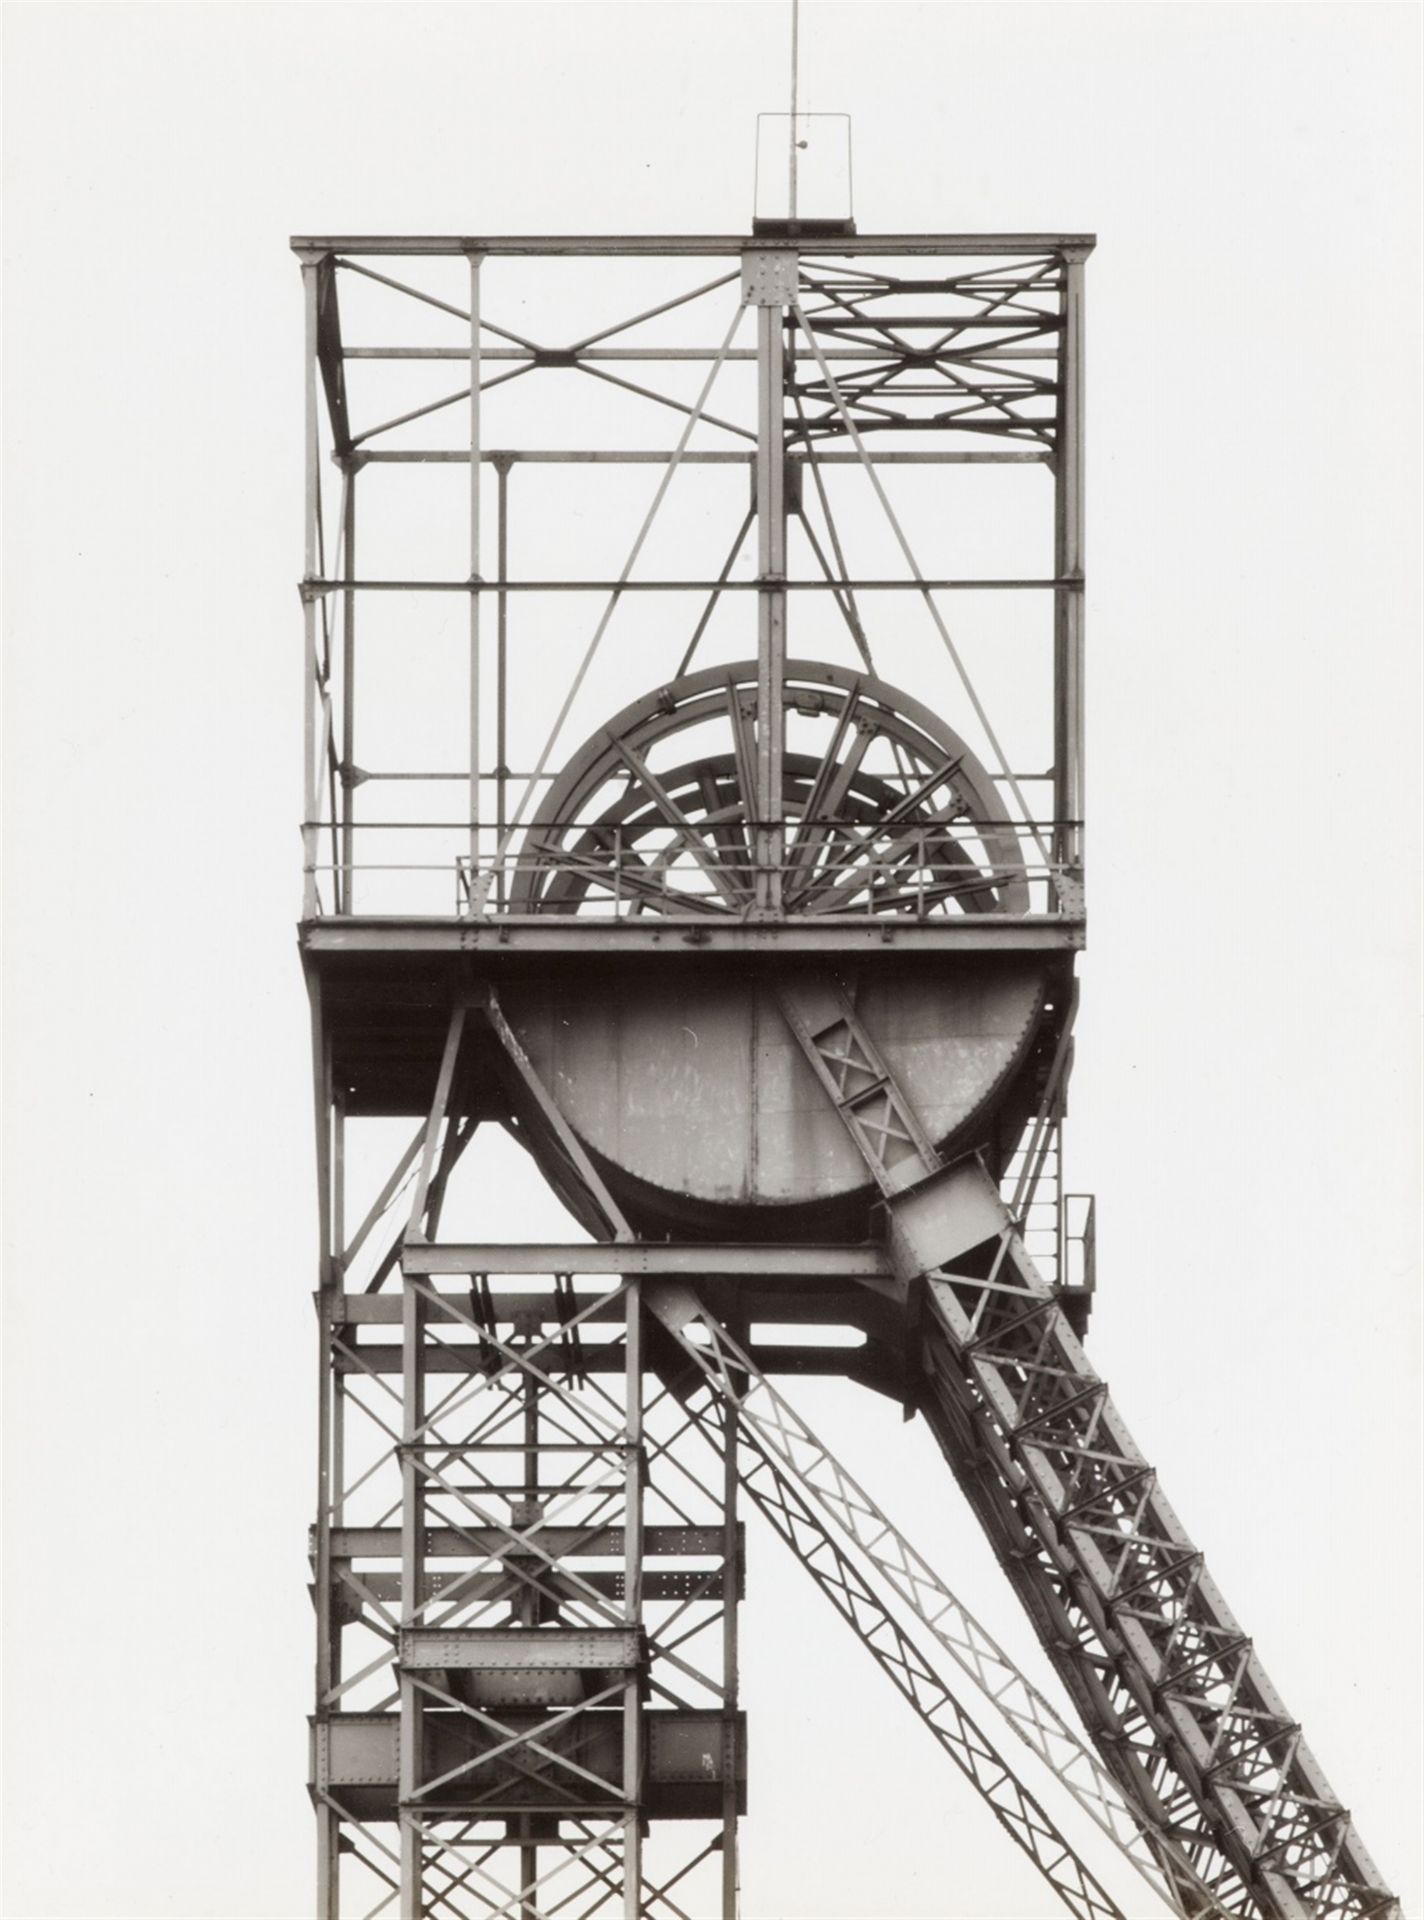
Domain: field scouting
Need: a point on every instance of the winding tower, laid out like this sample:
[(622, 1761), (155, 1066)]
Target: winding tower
[(694, 791)]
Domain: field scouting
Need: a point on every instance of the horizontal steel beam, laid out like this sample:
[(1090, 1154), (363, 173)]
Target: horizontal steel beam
[(866, 1362), (811, 1299), (498, 587), (694, 245), (689, 1750), (561, 1543), (673, 1585), (515, 1650), (660, 1259), (862, 356), (510, 938), (694, 457)]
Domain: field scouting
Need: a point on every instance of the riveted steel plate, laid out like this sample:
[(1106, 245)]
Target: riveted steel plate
[(944, 1217), (544, 1649), (769, 279), (528, 1686), (687, 1747), (356, 1750)]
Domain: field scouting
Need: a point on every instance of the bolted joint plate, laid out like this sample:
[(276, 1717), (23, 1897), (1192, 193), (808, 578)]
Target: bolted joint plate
[(769, 278)]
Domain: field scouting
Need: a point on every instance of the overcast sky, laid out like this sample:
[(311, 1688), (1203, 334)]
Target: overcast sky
[(1245, 1093)]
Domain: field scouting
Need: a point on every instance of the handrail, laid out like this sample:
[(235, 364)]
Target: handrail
[(598, 869)]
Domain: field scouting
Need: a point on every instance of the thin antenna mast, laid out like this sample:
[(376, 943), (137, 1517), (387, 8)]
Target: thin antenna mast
[(791, 138)]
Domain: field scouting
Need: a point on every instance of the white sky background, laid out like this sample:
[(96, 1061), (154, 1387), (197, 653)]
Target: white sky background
[(1244, 1091)]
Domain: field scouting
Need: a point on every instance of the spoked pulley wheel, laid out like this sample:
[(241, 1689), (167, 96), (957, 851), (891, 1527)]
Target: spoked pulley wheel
[(885, 809)]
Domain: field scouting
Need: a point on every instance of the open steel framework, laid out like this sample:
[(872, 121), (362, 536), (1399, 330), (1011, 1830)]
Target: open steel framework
[(528, 1548)]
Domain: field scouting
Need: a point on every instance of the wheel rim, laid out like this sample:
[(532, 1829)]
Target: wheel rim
[(887, 811)]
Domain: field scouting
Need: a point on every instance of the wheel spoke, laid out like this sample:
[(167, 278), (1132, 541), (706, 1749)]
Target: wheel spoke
[(724, 882), (817, 800), (835, 800), (744, 749), (871, 790), (920, 845), (730, 835)]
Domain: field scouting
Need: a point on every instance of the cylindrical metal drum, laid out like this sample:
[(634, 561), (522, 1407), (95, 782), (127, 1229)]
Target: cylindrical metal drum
[(705, 1118), (686, 1084)]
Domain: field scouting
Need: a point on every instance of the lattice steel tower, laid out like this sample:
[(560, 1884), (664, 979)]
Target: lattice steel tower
[(773, 978)]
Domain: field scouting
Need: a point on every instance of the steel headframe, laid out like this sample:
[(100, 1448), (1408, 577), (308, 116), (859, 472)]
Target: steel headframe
[(526, 1590)]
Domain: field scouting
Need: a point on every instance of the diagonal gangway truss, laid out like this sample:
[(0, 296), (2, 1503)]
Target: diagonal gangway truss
[(1169, 1684)]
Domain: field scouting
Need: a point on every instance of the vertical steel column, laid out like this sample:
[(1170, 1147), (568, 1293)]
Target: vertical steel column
[(771, 601), (412, 1732), (634, 1474), (527, 1607), (731, 1596), (501, 667), (311, 704), (328, 1649), (414, 1314), (1068, 570), (347, 900), (475, 260), (328, 1637)]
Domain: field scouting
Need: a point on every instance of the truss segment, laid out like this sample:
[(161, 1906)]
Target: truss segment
[(806, 1476), (1202, 1699)]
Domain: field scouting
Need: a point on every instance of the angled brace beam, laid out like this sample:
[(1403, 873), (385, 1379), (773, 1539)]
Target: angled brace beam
[(384, 1198), (439, 1108), (843, 1583), (534, 1096), (804, 1467), (1018, 1811)]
